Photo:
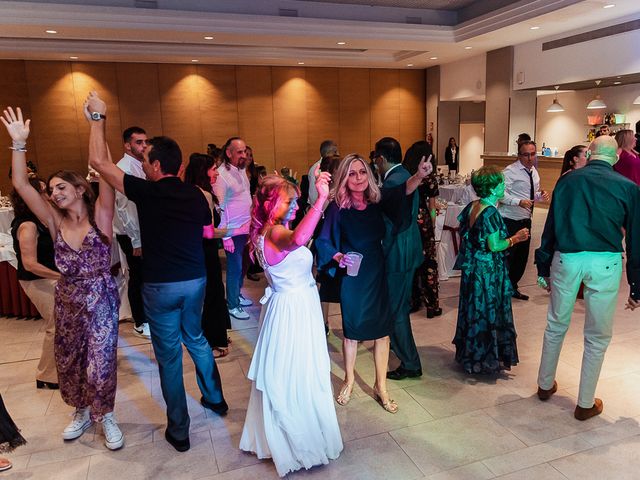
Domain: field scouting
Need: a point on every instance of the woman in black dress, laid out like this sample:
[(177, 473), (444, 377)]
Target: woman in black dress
[(452, 154), (10, 437), (202, 172), (425, 282), (354, 222)]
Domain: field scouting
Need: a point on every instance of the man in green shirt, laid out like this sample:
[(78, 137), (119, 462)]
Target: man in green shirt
[(582, 243)]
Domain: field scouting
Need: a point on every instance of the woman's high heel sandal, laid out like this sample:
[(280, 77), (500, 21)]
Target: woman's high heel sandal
[(345, 394), (390, 405)]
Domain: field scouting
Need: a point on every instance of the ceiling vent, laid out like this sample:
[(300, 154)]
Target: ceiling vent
[(287, 12), (146, 3), (414, 20)]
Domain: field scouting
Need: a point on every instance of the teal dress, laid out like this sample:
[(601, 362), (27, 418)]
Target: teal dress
[(485, 336)]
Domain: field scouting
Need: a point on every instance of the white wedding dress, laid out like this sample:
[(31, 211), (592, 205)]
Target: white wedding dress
[(291, 417)]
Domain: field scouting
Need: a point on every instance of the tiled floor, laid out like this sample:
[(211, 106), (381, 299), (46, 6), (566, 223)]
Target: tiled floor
[(450, 425)]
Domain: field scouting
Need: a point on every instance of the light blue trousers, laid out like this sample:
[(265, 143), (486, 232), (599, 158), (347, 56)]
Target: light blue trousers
[(600, 272)]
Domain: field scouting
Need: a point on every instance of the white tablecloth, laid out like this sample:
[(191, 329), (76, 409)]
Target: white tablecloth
[(446, 252), (451, 193), (6, 217)]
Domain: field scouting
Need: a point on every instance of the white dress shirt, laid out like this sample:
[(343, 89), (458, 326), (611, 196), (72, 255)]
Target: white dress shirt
[(518, 187), (234, 197), (313, 191), (125, 221)]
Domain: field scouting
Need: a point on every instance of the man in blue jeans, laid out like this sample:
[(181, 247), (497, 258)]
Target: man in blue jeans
[(172, 215)]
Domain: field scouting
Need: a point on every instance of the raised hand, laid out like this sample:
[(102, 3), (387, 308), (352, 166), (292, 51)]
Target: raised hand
[(425, 167), (322, 182), (94, 103), (17, 128)]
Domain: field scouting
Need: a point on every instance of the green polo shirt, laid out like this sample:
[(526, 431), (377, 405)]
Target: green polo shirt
[(590, 208)]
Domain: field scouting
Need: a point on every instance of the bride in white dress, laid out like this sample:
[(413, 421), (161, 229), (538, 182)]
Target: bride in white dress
[(291, 417)]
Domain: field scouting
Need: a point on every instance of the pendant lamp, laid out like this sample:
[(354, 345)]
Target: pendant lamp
[(596, 103), (555, 105)]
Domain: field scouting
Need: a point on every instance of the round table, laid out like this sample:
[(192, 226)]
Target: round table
[(452, 193)]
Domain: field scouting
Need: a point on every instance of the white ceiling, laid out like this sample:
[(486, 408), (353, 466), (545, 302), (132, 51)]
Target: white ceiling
[(253, 33)]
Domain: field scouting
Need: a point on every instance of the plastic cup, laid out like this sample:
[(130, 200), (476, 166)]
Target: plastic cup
[(356, 259)]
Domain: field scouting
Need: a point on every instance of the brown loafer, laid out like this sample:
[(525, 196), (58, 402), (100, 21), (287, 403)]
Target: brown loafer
[(586, 413), (546, 394)]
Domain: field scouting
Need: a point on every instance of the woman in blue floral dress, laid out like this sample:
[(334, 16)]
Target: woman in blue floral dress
[(485, 336), (86, 296)]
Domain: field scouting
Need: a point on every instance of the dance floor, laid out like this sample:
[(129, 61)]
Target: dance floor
[(449, 426)]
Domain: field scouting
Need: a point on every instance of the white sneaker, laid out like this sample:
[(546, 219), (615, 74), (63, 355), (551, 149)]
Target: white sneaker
[(239, 313), (81, 422), (244, 302), (142, 331), (113, 437)]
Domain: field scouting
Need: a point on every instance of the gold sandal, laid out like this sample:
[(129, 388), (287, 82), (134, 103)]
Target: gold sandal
[(390, 405), (345, 394)]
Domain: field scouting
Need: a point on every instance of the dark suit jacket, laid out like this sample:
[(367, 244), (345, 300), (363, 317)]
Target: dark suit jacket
[(452, 163)]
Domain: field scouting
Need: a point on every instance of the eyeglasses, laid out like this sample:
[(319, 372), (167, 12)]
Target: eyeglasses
[(528, 155)]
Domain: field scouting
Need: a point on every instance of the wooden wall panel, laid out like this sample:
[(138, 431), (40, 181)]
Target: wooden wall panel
[(412, 107), (385, 104), (290, 118), (139, 98), (54, 120), (255, 112), (100, 77), (283, 111), (355, 121), (180, 107), (218, 103), (14, 93), (323, 110)]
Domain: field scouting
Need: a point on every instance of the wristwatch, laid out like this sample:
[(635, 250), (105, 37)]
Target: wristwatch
[(97, 116)]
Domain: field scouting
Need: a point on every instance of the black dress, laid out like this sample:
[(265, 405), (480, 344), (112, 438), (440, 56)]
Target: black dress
[(10, 437), (364, 299), (215, 315)]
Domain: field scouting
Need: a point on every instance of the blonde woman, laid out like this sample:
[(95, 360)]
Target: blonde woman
[(354, 222)]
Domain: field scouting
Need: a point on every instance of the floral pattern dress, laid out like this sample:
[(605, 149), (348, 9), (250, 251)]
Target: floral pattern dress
[(425, 281), (86, 310), (485, 336)]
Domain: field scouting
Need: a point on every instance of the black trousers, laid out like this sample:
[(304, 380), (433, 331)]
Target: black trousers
[(134, 287), (519, 253)]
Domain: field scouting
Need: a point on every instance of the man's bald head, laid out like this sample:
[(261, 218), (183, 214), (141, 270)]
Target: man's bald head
[(604, 148)]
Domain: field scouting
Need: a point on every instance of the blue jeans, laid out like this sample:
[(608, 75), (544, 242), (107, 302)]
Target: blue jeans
[(174, 313), (234, 270)]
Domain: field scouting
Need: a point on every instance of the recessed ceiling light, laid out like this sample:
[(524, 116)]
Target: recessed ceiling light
[(409, 64), (195, 60), (208, 37), (618, 76), (534, 28), (610, 5), (617, 83), (342, 43), (468, 47), (51, 31), (73, 58), (300, 63), (433, 58)]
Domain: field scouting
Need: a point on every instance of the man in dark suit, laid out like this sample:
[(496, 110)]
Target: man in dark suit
[(403, 250)]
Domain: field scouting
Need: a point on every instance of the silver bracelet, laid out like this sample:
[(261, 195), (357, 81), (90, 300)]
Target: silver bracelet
[(19, 149), (318, 210)]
